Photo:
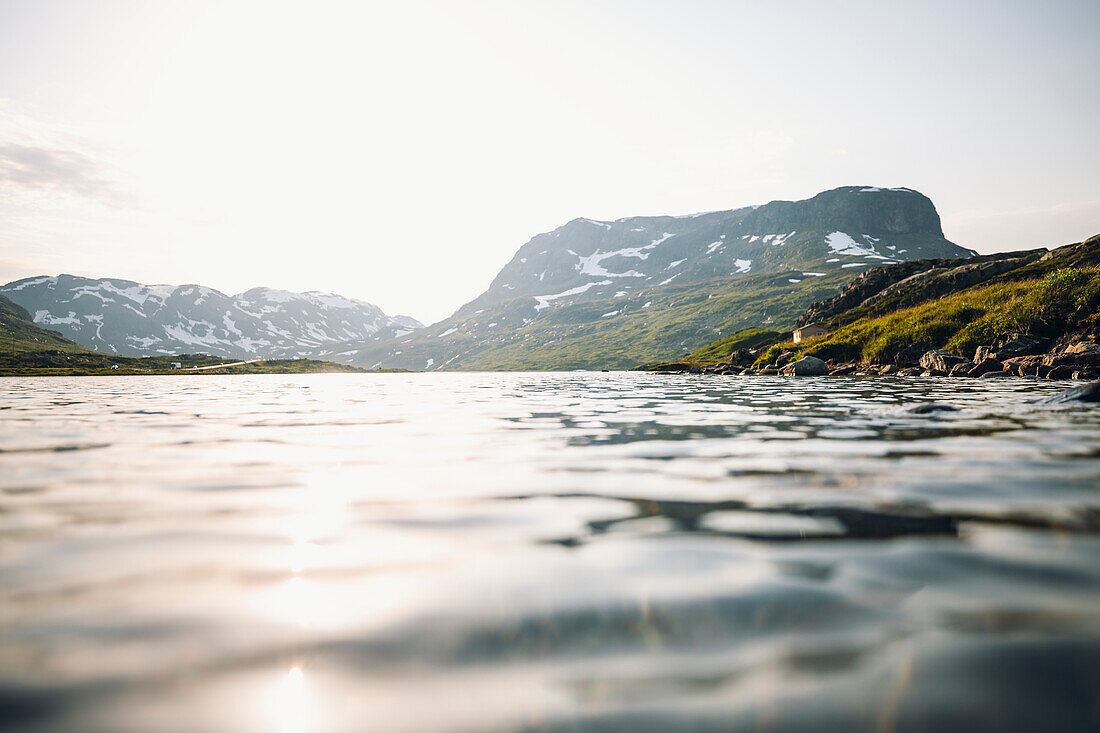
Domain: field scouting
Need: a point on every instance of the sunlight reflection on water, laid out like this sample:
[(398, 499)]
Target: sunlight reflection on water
[(546, 552)]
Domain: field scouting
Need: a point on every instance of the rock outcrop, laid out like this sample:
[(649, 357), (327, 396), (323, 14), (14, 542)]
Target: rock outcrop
[(807, 366)]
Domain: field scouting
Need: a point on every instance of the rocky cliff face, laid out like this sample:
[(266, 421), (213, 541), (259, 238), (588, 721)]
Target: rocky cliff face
[(589, 280), (129, 319)]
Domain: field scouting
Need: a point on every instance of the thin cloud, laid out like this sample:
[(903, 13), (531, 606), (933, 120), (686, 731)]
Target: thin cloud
[(37, 168)]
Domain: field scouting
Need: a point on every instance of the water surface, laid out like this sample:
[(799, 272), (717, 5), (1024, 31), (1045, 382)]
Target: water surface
[(573, 552)]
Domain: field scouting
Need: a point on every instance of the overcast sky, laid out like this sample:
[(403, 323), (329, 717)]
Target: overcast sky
[(400, 152)]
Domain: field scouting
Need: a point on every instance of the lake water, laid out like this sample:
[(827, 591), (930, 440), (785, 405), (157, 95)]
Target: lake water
[(563, 552)]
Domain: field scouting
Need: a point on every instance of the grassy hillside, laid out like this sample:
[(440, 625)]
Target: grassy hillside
[(750, 338), (957, 305), (19, 334), (619, 333), (1062, 301)]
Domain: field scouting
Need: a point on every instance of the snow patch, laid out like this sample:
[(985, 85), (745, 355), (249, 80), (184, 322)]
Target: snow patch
[(543, 301), (52, 320), (609, 315), (843, 244), (591, 265), (742, 266)]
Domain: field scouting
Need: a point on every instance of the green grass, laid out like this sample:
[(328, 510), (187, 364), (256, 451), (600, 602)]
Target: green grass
[(61, 363), (749, 338), (1062, 301), (675, 322), (19, 334)]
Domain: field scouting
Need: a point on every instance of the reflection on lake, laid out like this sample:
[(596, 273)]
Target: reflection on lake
[(563, 552)]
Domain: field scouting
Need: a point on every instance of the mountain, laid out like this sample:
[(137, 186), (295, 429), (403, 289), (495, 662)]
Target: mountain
[(19, 334), (611, 294), (129, 319)]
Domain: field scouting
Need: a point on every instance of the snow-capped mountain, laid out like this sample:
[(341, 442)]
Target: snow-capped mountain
[(571, 288), (130, 319)]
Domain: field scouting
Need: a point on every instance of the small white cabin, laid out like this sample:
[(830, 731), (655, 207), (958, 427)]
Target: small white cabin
[(808, 332)]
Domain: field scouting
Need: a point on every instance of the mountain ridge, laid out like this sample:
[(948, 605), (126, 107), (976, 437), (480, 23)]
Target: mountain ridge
[(127, 318)]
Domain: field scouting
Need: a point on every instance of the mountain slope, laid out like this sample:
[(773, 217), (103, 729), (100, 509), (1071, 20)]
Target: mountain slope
[(594, 294), (19, 334), (129, 319), (1005, 301)]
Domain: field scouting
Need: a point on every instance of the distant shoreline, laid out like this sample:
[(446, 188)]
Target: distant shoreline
[(92, 364)]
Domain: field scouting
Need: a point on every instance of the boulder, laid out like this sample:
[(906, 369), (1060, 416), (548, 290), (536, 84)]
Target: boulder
[(939, 360), (910, 355), (784, 358), (1084, 393), (909, 372), (1016, 344), (987, 365), (888, 369), (1083, 347), (1061, 372), (843, 370), (982, 353), (1024, 366), (807, 366), (961, 369), (933, 373), (1002, 373), (1079, 353)]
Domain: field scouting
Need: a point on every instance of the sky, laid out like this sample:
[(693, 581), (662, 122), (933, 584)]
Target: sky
[(400, 152)]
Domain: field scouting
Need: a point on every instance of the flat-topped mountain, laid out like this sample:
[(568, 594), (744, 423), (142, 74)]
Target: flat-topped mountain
[(129, 319), (844, 226), (594, 294)]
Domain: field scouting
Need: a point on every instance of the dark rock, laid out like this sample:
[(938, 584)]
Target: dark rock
[(1084, 393), (769, 370), (940, 360), (985, 366), (933, 373), (1024, 366), (889, 369), (1060, 372), (930, 407), (1002, 373), (910, 355), (1087, 374), (843, 370), (1015, 344), (741, 358), (784, 358), (962, 369), (982, 353), (807, 366), (909, 372)]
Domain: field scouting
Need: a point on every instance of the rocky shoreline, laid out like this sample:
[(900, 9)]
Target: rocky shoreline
[(1074, 357)]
